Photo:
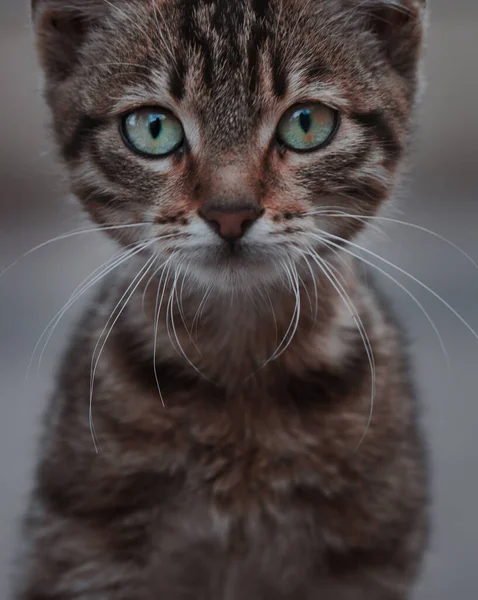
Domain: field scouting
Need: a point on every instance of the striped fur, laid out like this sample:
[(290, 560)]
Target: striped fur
[(247, 478)]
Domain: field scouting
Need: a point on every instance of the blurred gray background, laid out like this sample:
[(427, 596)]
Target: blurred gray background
[(441, 194)]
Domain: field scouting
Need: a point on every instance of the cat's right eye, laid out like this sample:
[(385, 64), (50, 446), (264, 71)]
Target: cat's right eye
[(308, 127), (152, 132)]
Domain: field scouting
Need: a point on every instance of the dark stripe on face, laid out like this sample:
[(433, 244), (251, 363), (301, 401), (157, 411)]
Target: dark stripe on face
[(317, 71), (376, 123), (256, 44), (191, 35), (177, 79), (84, 130), (371, 192), (91, 196), (349, 163), (279, 75)]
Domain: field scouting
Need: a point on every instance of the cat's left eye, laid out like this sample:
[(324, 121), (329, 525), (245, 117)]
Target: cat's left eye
[(307, 127), (152, 132)]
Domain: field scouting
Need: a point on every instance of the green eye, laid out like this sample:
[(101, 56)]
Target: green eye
[(307, 127), (153, 132)]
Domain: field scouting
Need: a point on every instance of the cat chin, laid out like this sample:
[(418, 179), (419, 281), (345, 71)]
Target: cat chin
[(235, 272)]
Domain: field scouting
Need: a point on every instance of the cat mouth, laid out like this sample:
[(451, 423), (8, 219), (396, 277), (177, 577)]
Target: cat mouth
[(233, 249), (230, 256)]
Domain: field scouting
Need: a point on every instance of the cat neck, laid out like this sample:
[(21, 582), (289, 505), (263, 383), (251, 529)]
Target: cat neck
[(229, 338)]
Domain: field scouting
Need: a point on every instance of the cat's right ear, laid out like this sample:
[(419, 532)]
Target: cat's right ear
[(61, 27)]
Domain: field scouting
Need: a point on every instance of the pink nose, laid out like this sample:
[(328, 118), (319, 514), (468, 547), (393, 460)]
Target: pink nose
[(230, 224)]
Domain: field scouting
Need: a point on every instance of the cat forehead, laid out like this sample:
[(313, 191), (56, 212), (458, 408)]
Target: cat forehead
[(235, 51), (227, 63), (231, 60)]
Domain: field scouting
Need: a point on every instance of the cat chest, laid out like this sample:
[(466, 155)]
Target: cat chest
[(251, 460)]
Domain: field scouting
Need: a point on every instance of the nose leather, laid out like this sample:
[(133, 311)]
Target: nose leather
[(230, 224)]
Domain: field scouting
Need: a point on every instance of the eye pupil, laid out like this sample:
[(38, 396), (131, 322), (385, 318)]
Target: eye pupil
[(305, 120), (155, 127)]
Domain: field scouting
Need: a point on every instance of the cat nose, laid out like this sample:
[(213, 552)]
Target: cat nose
[(231, 223)]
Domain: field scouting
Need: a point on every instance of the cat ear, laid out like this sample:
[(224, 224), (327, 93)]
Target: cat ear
[(399, 25), (61, 27)]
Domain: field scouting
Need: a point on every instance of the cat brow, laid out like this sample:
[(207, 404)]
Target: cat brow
[(141, 95)]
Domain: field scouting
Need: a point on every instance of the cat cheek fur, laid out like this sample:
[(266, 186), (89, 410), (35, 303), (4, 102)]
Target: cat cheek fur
[(265, 467)]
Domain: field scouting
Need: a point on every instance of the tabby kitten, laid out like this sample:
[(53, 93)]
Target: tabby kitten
[(234, 418)]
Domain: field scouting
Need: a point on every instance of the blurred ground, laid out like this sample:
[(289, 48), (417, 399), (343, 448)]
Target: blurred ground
[(442, 195)]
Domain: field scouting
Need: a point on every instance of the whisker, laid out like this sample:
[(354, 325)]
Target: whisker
[(314, 282), (172, 297), (181, 311), (157, 311), (274, 318), (200, 309), (413, 278), (148, 283), (119, 309), (406, 224), (155, 273), (301, 282), (405, 289), (338, 211), (68, 235), (294, 322), (339, 288), (99, 274)]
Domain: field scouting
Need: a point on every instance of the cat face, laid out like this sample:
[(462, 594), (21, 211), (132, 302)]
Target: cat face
[(239, 133)]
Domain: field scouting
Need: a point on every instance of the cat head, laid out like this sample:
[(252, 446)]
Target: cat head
[(239, 133)]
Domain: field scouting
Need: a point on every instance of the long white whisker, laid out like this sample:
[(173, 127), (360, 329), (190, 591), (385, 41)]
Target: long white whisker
[(412, 277), (338, 211), (181, 311), (339, 288), (87, 284), (119, 308), (316, 294), (157, 311), (174, 296), (402, 287), (68, 235), (294, 321), (148, 283), (274, 318), (200, 309), (366, 218), (168, 329), (156, 271)]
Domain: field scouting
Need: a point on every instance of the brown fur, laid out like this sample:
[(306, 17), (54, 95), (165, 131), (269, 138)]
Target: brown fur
[(244, 477)]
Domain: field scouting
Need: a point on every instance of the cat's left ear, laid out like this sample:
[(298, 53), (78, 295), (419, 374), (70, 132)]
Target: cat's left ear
[(399, 24), (61, 27)]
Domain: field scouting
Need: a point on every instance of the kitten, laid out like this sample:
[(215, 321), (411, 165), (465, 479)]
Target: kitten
[(234, 418)]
